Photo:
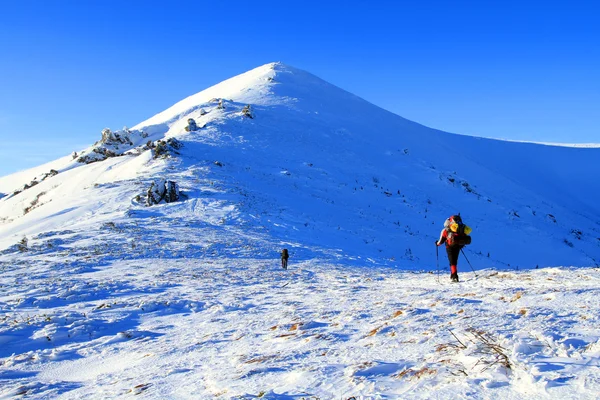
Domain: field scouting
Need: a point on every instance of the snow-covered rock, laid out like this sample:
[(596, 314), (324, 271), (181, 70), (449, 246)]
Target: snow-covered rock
[(162, 190)]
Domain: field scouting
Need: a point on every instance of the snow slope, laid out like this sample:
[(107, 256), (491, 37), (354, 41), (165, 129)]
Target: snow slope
[(202, 327), (320, 166), (178, 300)]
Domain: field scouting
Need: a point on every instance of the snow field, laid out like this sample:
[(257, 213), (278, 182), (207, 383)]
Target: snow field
[(236, 328)]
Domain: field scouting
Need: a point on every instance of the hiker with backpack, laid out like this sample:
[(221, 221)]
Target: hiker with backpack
[(456, 235), (284, 258)]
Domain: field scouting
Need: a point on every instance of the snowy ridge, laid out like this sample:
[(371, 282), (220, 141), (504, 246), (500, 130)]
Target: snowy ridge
[(581, 145), (99, 286), (250, 87)]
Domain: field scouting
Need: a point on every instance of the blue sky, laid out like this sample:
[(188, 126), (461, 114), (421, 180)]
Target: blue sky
[(514, 70)]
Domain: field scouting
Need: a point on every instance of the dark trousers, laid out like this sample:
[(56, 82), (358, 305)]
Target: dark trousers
[(453, 253), (284, 263)]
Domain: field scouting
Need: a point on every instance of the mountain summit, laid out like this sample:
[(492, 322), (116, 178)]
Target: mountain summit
[(276, 157)]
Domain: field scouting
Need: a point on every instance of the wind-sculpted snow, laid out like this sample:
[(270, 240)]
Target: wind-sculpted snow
[(103, 296), (237, 327)]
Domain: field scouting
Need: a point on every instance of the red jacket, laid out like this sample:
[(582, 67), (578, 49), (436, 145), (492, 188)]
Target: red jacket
[(444, 236)]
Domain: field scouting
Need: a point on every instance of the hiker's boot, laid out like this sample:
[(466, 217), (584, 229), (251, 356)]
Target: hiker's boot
[(453, 273)]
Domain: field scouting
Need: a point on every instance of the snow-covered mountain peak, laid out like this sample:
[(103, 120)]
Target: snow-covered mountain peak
[(273, 84), (249, 87), (279, 151)]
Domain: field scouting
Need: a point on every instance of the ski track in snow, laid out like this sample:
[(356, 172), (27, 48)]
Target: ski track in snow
[(187, 299)]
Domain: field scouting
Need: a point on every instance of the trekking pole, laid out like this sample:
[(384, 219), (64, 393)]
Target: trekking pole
[(463, 253), (437, 262)]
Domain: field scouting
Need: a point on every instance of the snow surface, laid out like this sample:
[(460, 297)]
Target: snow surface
[(186, 300)]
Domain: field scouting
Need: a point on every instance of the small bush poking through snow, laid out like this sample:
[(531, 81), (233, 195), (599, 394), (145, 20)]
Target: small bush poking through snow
[(165, 149), (35, 181), (34, 203), (22, 245), (247, 112)]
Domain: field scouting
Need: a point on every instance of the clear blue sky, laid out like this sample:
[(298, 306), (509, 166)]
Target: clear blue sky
[(523, 70)]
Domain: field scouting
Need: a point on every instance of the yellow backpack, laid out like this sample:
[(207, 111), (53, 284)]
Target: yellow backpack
[(458, 233)]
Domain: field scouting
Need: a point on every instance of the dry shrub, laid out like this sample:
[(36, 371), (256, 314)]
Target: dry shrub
[(139, 388), (364, 365), (402, 374), (258, 359), (444, 346), (284, 335), (295, 326), (397, 314), (516, 297), (374, 331), (493, 353), (415, 374), (424, 371)]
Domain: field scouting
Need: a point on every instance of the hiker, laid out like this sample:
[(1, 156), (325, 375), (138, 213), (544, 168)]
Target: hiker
[(284, 258), (456, 235)]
